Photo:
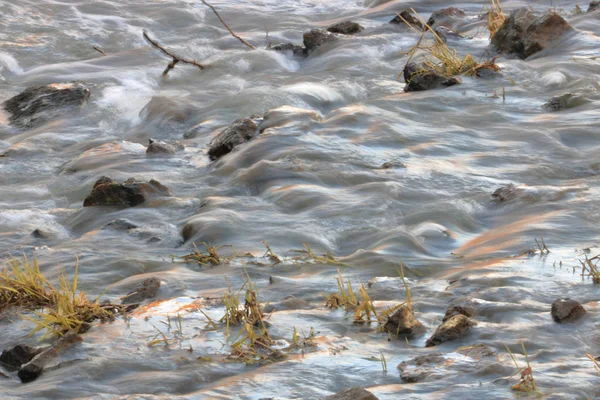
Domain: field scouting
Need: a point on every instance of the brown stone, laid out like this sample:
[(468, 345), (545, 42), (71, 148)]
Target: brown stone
[(566, 310), (454, 328), (403, 323), (356, 393), (107, 192), (240, 131)]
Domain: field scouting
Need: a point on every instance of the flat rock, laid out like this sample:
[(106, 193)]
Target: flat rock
[(525, 34), (562, 102), (240, 131), (356, 393), (120, 224), (39, 104), (160, 147), (506, 193), (446, 33), (107, 192), (408, 17), (12, 359), (566, 310), (453, 328), (403, 323), (316, 38), (147, 290), (445, 17), (346, 28), (296, 50), (428, 81)]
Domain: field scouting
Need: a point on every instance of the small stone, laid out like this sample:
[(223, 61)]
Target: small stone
[(158, 147), (559, 103), (408, 17), (392, 164), (459, 310), (403, 323), (120, 224), (356, 393), (444, 16), (38, 104), (40, 234), (316, 38), (240, 131), (107, 192), (506, 193), (418, 368), (30, 373), (428, 81), (594, 5), (12, 359), (566, 310), (454, 328), (346, 28), (445, 34), (147, 290), (476, 351), (295, 49)]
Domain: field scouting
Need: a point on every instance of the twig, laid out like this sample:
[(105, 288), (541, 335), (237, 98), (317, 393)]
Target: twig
[(99, 50), (176, 59), (226, 26)]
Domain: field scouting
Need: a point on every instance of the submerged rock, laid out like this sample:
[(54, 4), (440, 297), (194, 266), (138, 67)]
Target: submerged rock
[(594, 5), (435, 366), (453, 328), (446, 33), (346, 28), (506, 192), (403, 323), (295, 49), (38, 104), (429, 80), (445, 16), (466, 310), (240, 131), (356, 393), (40, 234), (408, 17), (147, 290), (159, 147), (12, 359), (107, 192), (562, 102), (525, 34), (316, 38), (566, 310), (120, 224)]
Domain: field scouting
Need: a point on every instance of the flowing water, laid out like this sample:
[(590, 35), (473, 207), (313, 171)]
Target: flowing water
[(314, 176)]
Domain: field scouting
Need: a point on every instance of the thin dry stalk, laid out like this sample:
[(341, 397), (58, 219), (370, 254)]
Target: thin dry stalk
[(176, 58), (526, 382), (227, 26), (590, 269), (596, 364), (496, 17), (99, 50)]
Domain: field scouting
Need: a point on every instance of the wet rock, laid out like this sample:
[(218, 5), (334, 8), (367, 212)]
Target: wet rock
[(159, 147), (562, 102), (429, 80), (147, 290), (356, 393), (316, 38), (453, 328), (435, 366), (29, 373), (466, 310), (346, 28), (525, 34), (392, 164), (445, 34), (38, 104), (289, 303), (120, 224), (240, 131), (295, 49), (445, 17), (566, 310), (40, 234), (408, 17), (594, 5), (413, 68), (403, 322), (506, 193), (107, 192), (12, 359)]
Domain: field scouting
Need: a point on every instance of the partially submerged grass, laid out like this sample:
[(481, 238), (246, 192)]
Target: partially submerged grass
[(590, 268), (57, 309), (442, 60), (596, 364), (208, 257), (496, 17), (307, 254), (526, 382)]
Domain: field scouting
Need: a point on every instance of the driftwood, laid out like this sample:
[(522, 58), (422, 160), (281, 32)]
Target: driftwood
[(99, 50), (227, 26), (176, 58)]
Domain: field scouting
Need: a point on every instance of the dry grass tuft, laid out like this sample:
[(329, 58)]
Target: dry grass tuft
[(590, 268), (57, 309), (496, 17), (526, 382)]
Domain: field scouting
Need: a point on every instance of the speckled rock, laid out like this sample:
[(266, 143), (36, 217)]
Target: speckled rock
[(452, 329), (403, 323), (107, 192), (240, 131), (566, 310)]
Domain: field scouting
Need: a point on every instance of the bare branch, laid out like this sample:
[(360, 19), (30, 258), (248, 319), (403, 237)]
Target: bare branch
[(176, 58), (99, 50), (226, 26)]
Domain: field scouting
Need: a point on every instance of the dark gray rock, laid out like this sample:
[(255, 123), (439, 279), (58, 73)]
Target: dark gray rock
[(107, 192), (429, 80), (346, 28), (295, 49), (120, 224), (506, 193), (40, 234), (445, 16), (452, 329), (147, 290), (37, 105), (30, 373), (159, 147), (566, 310), (356, 393), (446, 33), (562, 102), (408, 17), (12, 359), (466, 310), (316, 38), (392, 164), (403, 323), (240, 131), (525, 34), (594, 5)]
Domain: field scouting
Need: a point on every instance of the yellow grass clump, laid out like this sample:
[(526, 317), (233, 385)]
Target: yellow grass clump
[(496, 17)]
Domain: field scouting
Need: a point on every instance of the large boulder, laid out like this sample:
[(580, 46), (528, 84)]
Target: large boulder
[(566, 310), (12, 359), (240, 131), (37, 105), (525, 34), (107, 192), (356, 393), (403, 323), (453, 328), (407, 17), (295, 49), (346, 28), (316, 38)]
